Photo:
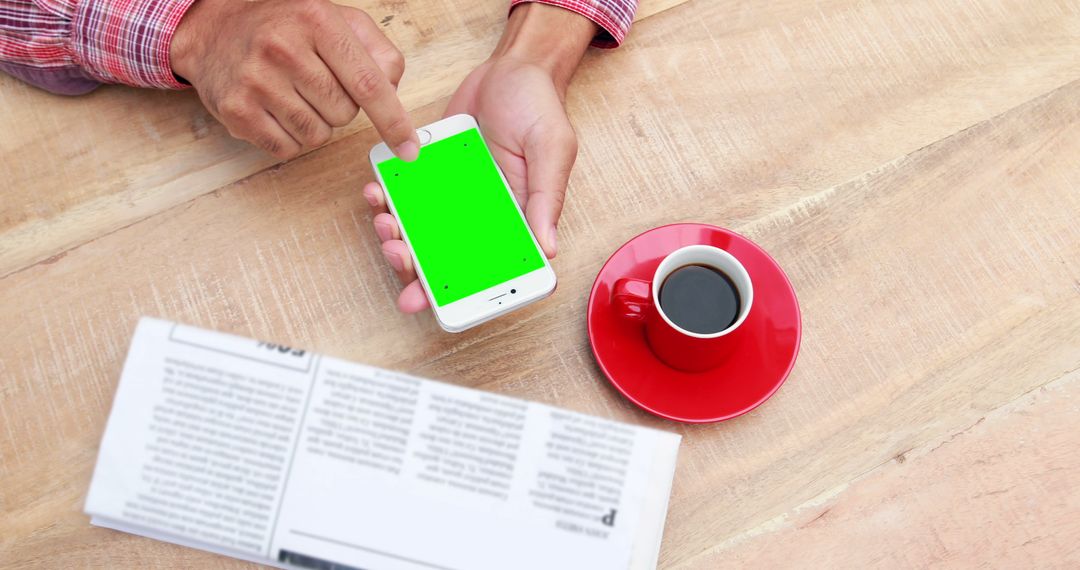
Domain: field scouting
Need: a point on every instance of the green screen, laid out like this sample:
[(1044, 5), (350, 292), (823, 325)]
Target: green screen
[(461, 221)]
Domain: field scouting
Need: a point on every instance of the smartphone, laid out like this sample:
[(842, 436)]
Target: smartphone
[(475, 254)]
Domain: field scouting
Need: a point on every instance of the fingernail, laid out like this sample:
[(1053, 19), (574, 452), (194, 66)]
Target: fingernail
[(408, 151), (395, 261), (371, 199), (384, 231), (553, 238)]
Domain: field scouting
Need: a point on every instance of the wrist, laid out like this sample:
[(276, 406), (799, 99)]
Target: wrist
[(185, 50), (549, 37)]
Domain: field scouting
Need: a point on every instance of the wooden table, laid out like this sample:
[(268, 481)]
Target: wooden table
[(915, 167)]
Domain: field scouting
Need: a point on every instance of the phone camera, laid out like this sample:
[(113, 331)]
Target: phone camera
[(512, 291)]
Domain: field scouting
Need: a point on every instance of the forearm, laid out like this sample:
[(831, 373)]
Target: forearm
[(550, 37), (31, 49), (613, 17), (71, 46)]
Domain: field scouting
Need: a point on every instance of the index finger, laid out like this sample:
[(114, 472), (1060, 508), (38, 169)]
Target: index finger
[(369, 87)]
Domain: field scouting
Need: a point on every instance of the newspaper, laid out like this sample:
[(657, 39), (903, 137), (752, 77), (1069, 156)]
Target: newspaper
[(283, 457)]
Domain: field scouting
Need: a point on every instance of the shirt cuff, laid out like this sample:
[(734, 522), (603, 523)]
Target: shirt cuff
[(613, 16), (127, 41)]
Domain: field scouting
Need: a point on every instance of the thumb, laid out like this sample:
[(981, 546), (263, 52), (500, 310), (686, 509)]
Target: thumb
[(549, 156)]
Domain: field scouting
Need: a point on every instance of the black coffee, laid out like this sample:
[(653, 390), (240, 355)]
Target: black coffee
[(700, 299)]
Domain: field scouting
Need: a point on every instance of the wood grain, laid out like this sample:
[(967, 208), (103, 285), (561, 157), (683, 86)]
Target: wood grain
[(120, 155), (947, 286), (999, 493), (912, 166)]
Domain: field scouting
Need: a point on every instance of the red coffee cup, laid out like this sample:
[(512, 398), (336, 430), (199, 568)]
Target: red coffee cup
[(638, 301)]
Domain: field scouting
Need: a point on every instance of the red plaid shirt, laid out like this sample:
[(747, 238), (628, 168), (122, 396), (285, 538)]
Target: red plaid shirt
[(72, 46)]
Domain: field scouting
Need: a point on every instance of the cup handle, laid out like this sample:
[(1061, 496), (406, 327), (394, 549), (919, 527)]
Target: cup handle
[(631, 298)]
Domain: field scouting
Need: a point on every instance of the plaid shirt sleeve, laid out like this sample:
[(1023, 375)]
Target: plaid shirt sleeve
[(72, 46), (613, 16)]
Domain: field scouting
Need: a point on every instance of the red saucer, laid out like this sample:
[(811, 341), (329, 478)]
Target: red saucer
[(747, 378)]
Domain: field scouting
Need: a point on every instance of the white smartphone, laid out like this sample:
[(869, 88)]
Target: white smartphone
[(475, 254)]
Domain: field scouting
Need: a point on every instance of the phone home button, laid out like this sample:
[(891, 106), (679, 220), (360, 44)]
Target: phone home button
[(424, 134)]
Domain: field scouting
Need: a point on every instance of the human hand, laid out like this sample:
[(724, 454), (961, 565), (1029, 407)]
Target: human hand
[(282, 73), (517, 97)]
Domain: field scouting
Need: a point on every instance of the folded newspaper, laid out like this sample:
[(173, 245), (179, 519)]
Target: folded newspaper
[(291, 459)]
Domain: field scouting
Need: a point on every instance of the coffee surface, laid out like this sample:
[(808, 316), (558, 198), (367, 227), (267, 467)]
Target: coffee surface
[(700, 299)]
